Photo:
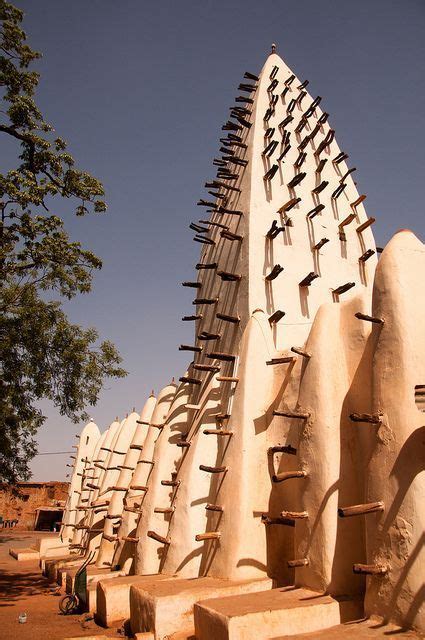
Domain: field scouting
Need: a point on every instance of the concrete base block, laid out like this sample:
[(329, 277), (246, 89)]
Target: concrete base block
[(24, 554), (269, 614), (113, 597), (166, 607), (371, 629)]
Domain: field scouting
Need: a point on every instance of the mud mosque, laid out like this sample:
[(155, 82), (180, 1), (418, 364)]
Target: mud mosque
[(278, 487)]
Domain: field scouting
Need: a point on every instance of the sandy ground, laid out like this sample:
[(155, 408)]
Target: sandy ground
[(24, 589)]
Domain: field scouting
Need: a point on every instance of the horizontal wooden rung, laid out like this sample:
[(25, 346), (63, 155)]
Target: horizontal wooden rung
[(299, 562), (138, 487), (227, 379), (288, 475), (170, 483), (267, 520), (365, 225), (204, 467), (158, 538), (364, 316), (217, 432), (370, 569), (373, 418), (283, 360), (366, 255), (360, 509), (218, 355), (300, 415), (226, 318), (300, 352), (206, 367), (184, 444), (190, 380), (283, 448), (209, 535), (130, 539), (188, 347), (214, 507), (295, 515), (343, 288), (193, 285), (164, 509)]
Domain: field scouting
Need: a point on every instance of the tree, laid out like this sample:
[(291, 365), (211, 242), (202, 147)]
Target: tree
[(43, 355)]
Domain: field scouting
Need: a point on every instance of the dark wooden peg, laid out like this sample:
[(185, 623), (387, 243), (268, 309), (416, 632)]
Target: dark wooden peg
[(228, 277), (320, 187), (210, 535), (158, 538), (372, 418), (282, 448), (366, 255), (204, 467), (364, 316), (370, 569), (267, 520), (292, 414), (297, 179), (193, 285), (343, 288), (288, 475), (360, 509), (199, 316), (306, 282), (227, 318), (320, 244), (276, 316), (277, 269)]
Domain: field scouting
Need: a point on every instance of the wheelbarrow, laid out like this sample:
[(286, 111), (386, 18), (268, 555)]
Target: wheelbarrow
[(76, 601)]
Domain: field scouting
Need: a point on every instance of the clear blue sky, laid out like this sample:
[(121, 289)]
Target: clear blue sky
[(140, 90)]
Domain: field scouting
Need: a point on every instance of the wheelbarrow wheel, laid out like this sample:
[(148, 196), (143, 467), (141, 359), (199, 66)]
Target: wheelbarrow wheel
[(69, 604)]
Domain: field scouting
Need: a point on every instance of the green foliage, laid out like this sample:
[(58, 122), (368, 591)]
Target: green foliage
[(43, 354)]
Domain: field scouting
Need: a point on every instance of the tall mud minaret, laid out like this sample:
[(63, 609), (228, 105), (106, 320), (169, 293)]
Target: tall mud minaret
[(284, 232)]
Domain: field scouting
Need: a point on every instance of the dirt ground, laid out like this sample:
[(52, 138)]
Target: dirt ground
[(24, 589)]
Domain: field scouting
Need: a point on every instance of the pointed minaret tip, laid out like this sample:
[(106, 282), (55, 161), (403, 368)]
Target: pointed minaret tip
[(274, 48), (116, 418), (134, 409), (152, 393)]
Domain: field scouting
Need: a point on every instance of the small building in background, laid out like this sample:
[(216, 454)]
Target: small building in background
[(33, 505)]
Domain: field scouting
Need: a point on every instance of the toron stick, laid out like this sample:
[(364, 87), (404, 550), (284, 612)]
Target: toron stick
[(320, 187), (130, 539), (214, 507), (344, 287), (218, 355), (206, 367), (267, 520), (363, 316), (271, 172), (365, 225), (277, 269), (292, 414), (315, 211), (295, 515), (360, 509), (306, 282), (193, 285), (299, 562), (366, 255), (210, 265), (228, 277), (347, 173), (199, 316), (335, 195), (170, 483), (203, 467), (276, 316), (370, 569), (320, 244), (283, 360), (340, 157), (183, 444), (372, 418), (231, 236), (227, 379), (210, 535), (217, 432), (251, 76), (158, 538), (288, 475), (321, 165), (164, 509), (187, 347), (289, 205), (226, 318), (138, 487), (282, 448), (359, 200), (204, 335), (205, 301), (190, 380)]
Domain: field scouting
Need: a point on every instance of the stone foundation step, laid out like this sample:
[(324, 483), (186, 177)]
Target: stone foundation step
[(113, 596), (166, 607), (372, 629), (270, 614), (24, 553)]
